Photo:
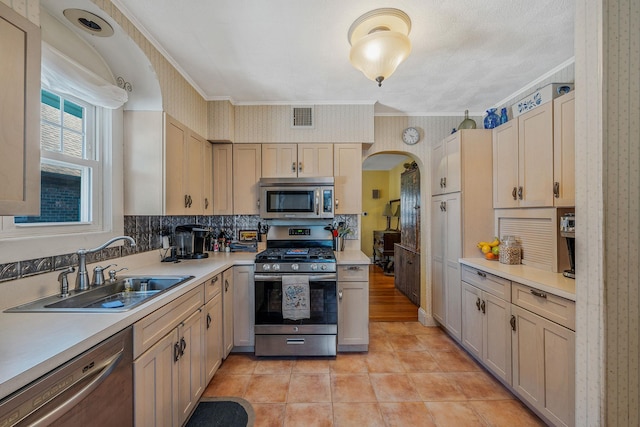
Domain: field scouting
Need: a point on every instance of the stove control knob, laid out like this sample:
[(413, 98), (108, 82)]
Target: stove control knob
[(314, 266), (295, 267), (324, 267), (266, 267), (276, 267)]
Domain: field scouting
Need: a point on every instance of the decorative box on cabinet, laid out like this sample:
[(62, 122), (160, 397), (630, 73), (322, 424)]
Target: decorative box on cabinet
[(20, 118), (383, 248), (407, 272)]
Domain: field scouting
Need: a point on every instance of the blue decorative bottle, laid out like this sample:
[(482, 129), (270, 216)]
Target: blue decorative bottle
[(492, 119), (504, 118)]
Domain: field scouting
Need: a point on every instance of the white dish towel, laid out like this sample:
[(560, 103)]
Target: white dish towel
[(295, 297)]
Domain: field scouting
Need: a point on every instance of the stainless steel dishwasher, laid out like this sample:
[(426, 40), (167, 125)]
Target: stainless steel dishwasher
[(95, 388)]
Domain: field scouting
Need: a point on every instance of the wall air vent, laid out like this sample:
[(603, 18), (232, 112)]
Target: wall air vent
[(302, 117)]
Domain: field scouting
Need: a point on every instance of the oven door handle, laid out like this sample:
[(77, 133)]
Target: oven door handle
[(329, 277)]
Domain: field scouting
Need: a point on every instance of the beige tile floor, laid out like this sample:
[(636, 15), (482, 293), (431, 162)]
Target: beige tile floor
[(411, 376)]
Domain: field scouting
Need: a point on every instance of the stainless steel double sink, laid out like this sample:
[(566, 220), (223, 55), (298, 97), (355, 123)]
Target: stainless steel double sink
[(124, 294)]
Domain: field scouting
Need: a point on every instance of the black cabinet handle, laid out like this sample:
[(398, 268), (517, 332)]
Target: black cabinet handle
[(556, 190), (483, 307), (226, 285), (481, 274), (183, 346), (538, 294), (176, 352), (514, 193), (520, 191), (478, 303), (208, 320), (513, 322)]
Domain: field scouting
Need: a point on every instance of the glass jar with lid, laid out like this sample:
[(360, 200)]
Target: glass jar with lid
[(510, 250)]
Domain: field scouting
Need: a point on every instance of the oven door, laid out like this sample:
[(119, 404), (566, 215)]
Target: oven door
[(323, 304)]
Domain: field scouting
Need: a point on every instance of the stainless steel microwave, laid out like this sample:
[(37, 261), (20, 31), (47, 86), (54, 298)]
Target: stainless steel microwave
[(296, 198)]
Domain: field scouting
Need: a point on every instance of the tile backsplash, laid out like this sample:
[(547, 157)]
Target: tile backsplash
[(147, 232)]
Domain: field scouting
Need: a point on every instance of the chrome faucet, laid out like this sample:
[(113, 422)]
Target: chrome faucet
[(82, 279)]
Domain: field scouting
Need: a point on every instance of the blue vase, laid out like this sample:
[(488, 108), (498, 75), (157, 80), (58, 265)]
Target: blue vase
[(504, 118), (492, 119)]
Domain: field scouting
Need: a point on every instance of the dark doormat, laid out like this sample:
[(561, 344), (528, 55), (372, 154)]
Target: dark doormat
[(222, 412)]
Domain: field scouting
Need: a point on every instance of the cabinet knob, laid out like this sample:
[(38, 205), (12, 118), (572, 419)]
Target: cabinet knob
[(299, 166), (293, 167)]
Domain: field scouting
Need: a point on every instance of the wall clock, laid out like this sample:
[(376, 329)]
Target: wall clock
[(410, 136)]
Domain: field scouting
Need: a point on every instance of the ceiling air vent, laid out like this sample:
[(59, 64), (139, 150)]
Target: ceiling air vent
[(302, 117)]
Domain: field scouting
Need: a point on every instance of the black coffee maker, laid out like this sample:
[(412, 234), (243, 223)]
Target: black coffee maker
[(190, 241), (568, 231)]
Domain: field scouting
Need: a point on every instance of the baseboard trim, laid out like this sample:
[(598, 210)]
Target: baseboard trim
[(425, 318)]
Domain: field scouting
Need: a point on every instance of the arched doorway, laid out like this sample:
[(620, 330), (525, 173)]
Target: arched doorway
[(394, 296)]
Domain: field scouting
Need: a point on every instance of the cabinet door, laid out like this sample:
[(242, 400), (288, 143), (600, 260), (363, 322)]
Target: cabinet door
[(194, 169), (452, 245), (190, 380), (438, 168), (154, 383), (505, 165), (227, 312), (20, 118), (496, 353), (544, 365), (176, 198), (222, 179), (207, 178), (353, 313), (243, 310), (279, 160), (451, 182), (347, 172), (472, 328), (213, 336), (247, 170), (535, 156), (564, 142), (315, 160), (438, 218)]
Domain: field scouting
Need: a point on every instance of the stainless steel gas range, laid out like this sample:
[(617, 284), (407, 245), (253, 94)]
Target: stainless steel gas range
[(296, 306)]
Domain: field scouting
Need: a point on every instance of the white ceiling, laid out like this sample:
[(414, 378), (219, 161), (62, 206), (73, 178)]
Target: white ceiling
[(466, 54)]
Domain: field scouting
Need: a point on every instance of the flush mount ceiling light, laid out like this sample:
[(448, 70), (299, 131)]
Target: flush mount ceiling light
[(89, 22), (379, 42)]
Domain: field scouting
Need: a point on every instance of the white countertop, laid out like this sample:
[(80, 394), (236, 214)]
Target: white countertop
[(35, 343), (547, 281)]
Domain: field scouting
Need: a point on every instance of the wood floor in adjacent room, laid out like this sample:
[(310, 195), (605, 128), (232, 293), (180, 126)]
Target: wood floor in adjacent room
[(386, 303)]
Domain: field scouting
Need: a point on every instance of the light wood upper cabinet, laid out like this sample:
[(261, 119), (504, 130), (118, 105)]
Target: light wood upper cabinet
[(524, 145), (297, 160), (19, 114), (347, 172), (445, 164), (247, 170), (162, 151), (564, 142), (222, 179)]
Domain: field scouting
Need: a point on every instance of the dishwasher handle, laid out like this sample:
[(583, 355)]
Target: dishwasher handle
[(108, 366)]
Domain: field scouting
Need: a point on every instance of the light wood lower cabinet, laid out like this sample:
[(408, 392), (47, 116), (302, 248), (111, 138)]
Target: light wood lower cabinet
[(168, 376), (544, 365), (227, 312), (353, 307), (212, 327), (486, 330), (243, 310)]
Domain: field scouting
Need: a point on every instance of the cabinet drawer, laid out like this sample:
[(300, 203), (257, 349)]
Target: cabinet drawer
[(353, 273), (150, 329), (212, 287), (495, 285), (552, 307)]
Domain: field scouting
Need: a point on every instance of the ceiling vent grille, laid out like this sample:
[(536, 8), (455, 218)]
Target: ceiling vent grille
[(302, 117)]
